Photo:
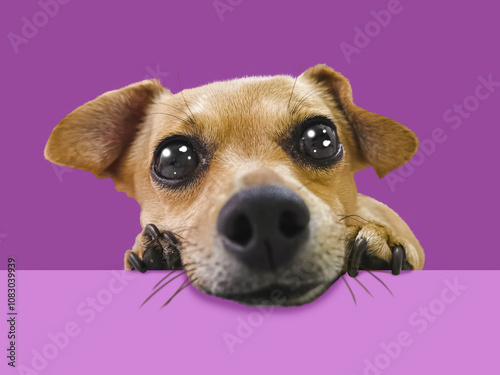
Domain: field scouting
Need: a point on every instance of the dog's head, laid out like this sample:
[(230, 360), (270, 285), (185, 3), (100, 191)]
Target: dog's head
[(254, 174)]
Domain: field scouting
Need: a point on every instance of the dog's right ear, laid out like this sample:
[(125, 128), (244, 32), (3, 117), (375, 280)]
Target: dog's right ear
[(381, 142), (95, 135)]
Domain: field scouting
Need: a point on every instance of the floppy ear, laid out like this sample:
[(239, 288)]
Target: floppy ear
[(96, 134), (383, 143)]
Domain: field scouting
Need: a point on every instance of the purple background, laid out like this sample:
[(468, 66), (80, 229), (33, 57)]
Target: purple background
[(457, 334), (427, 58)]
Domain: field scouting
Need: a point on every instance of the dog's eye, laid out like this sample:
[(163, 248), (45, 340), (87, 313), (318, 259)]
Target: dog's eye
[(314, 143), (319, 141), (176, 160)]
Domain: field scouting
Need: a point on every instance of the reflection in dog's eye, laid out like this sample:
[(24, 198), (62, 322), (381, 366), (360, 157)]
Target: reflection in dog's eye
[(319, 141), (176, 160)]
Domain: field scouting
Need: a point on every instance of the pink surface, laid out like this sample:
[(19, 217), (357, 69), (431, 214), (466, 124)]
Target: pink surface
[(457, 335)]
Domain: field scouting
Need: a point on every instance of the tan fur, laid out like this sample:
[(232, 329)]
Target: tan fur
[(243, 121)]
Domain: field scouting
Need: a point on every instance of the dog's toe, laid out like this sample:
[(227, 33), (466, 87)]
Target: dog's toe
[(373, 248), (153, 257), (161, 250), (136, 263), (154, 250)]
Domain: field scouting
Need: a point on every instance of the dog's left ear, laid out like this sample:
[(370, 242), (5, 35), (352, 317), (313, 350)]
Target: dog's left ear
[(383, 143), (96, 135)]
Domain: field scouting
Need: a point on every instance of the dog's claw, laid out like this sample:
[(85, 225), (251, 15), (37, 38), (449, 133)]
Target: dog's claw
[(354, 261), (136, 263), (154, 234), (359, 257), (170, 238), (152, 231), (398, 259)]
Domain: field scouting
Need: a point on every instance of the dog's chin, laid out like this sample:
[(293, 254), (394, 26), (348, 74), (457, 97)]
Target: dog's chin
[(279, 295)]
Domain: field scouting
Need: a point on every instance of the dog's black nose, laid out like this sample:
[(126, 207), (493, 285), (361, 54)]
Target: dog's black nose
[(264, 226)]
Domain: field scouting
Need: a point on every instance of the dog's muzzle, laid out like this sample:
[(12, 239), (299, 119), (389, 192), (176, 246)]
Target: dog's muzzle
[(264, 226)]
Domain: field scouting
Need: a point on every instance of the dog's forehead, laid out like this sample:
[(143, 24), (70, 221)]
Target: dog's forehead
[(267, 105), (242, 94)]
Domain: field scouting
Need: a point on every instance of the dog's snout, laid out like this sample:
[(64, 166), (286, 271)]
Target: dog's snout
[(264, 226)]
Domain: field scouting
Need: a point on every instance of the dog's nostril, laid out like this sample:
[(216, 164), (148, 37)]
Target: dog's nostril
[(240, 230), (289, 224), (264, 226)]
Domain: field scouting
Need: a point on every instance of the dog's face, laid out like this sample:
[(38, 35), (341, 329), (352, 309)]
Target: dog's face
[(253, 175)]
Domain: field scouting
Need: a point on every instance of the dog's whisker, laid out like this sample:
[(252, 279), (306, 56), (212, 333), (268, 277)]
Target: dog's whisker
[(171, 272), (293, 88), (192, 270), (386, 287), (185, 284), (364, 287), (169, 114), (299, 103), (371, 273), (358, 221), (179, 236), (354, 216), (174, 107), (350, 290), (161, 287), (191, 243), (184, 98)]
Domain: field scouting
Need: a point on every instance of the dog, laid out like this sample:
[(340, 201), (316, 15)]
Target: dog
[(248, 184)]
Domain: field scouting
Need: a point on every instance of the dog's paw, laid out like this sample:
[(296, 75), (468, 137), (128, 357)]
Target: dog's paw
[(158, 251), (374, 247)]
